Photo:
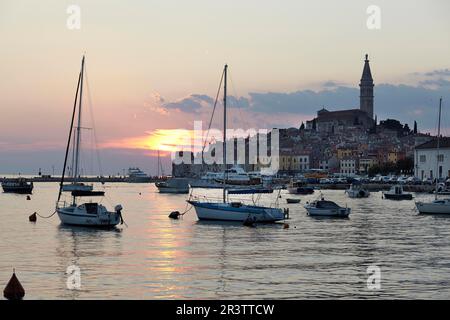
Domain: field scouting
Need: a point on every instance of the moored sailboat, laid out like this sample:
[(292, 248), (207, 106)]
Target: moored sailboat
[(437, 206), (88, 213), (233, 211)]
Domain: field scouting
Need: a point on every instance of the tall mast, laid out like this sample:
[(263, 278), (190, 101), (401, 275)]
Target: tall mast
[(438, 147), (77, 149), (158, 163), (225, 174), (70, 138)]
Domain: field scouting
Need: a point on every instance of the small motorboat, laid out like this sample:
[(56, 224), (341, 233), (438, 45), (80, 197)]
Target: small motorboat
[(290, 200), (357, 191), (298, 187), (326, 208), (396, 193), (173, 185), (18, 185)]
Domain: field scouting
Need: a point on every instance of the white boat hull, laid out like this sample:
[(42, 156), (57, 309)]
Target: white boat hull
[(438, 207), (358, 193), (225, 212)]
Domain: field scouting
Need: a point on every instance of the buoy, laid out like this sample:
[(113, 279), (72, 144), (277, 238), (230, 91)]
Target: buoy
[(14, 290), (286, 226), (28, 198), (33, 217), (174, 215)]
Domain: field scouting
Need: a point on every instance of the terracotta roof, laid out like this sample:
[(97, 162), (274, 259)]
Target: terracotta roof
[(341, 114), (444, 143)]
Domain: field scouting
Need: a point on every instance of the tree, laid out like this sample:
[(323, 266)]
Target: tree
[(415, 127)]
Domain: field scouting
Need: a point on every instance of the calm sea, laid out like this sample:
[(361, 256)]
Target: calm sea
[(159, 258)]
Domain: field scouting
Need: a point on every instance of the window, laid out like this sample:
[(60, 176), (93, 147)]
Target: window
[(423, 158), (441, 158), (440, 171)]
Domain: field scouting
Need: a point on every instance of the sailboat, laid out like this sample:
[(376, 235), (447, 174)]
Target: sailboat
[(437, 206), (89, 213), (233, 211)]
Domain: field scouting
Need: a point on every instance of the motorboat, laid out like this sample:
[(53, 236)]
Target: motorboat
[(357, 191), (17, 185), (396, 193), (236, 175), (92, 214), (299, 187), (290, 200), (227, 210), (173, 185), (326, 208)]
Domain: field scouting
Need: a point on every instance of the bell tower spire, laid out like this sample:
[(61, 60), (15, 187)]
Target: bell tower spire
[(366, 89)]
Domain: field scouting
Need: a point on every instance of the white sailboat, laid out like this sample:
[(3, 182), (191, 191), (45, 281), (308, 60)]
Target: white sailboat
[(233, 211), (89, 213), (437, 206)]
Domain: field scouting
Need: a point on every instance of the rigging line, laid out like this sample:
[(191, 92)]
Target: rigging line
[(214, 109), (91, 110), (70, 136), (237, 101)]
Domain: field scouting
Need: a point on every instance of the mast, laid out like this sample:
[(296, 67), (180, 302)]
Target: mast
[(158, 164), (225, 174), (77, 149), (70, 137), (438, 147)]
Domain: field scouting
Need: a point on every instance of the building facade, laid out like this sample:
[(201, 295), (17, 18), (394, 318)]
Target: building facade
[(428, 164)]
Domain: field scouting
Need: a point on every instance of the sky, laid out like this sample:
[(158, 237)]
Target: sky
[(153, 68)]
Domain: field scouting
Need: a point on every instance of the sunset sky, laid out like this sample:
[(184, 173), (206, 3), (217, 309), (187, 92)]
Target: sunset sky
[(153, 67)]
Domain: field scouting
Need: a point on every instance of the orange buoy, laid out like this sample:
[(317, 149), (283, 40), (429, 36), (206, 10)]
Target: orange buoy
[(33, 217), (14, 290), (286, 226)]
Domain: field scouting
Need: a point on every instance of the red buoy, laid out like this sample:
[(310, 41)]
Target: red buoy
[(14, 290)]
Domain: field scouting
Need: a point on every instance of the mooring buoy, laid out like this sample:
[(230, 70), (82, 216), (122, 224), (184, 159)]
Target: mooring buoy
[(286, 226), (14, 290), (33, 217), (28, 198), (174, 215)]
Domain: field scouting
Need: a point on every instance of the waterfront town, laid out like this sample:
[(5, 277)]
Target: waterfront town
[(348, 143)]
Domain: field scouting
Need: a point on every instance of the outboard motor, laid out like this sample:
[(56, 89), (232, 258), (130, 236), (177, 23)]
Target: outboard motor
[(118, 210)]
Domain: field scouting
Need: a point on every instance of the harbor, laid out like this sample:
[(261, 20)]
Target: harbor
[(156, 257)]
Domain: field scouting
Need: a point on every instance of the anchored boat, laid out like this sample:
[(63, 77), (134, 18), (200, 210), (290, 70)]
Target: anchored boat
[(438, 206), (326, 208), (233, 211), (88, 213), (18, 185), (396, 193), (357, 191)]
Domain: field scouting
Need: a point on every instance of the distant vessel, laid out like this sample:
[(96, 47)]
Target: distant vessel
[(327, 209), (438, 206), (236, 176), (290, 200), (299, 187), (173, 185), (396, 193), (18, 185), (357, 191), (90, 213), (233, 211), (136, 175)]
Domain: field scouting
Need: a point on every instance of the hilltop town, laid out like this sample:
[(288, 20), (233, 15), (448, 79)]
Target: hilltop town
[(346, 142)]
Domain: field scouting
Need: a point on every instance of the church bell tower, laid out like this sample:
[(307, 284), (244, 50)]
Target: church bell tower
[(366, 90)]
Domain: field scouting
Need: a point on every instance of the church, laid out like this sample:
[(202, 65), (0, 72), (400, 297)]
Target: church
[(333, 121)]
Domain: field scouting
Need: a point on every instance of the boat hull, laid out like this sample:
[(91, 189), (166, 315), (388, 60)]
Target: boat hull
[(300, 190), (433, 208), (106, 219), (226, 212), (173, 190), (398, 196), (19, 190), (338, 212)]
